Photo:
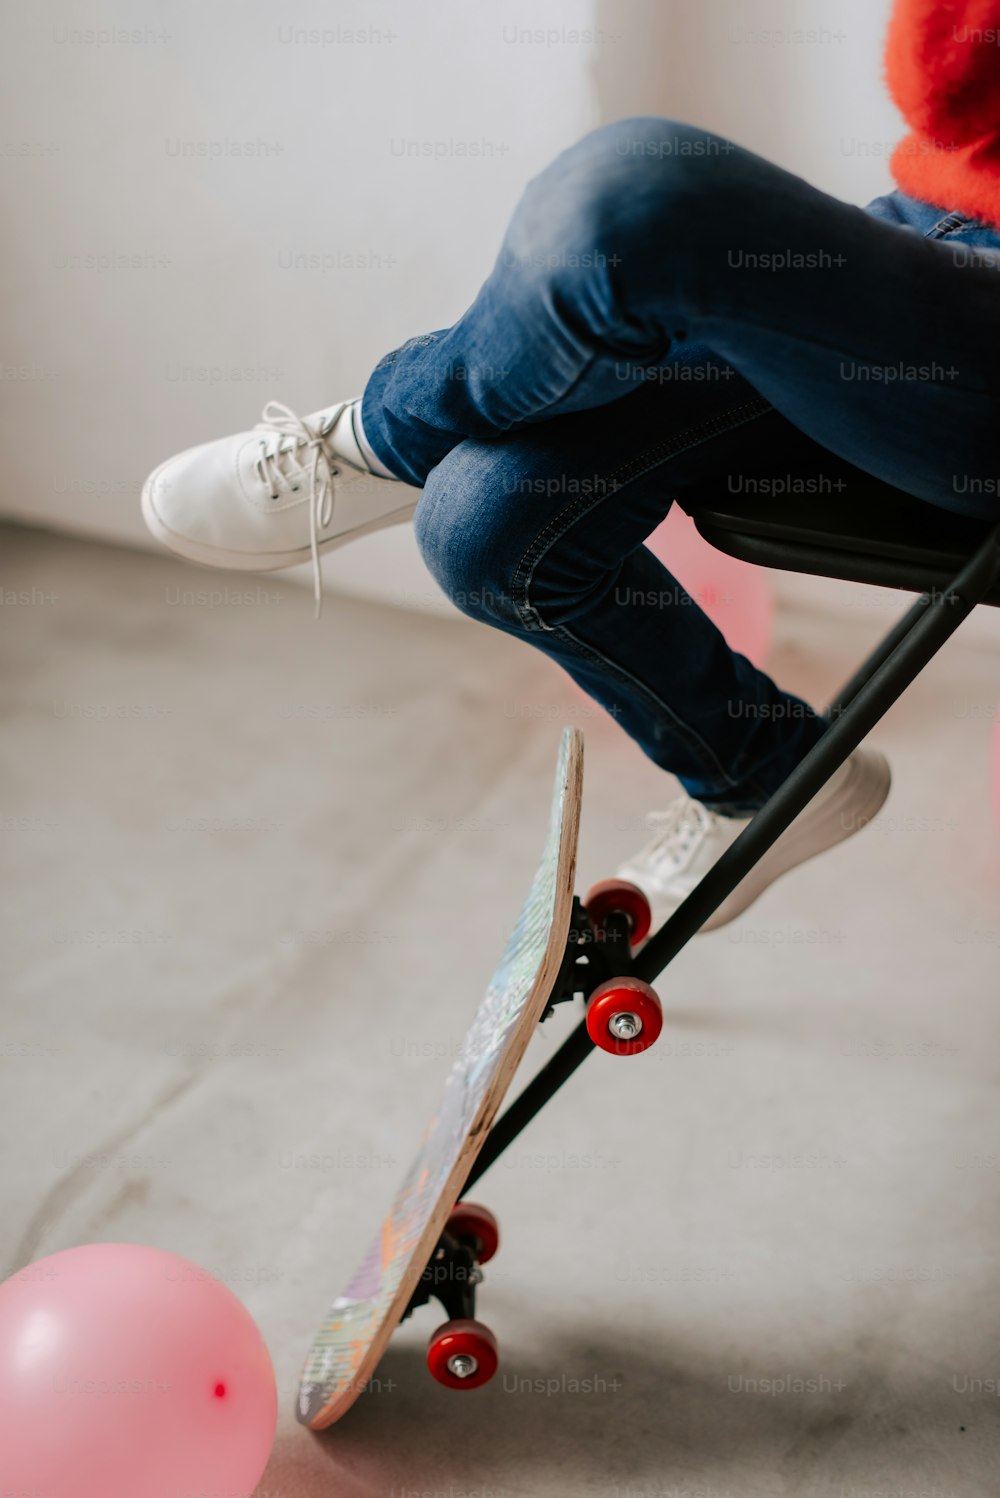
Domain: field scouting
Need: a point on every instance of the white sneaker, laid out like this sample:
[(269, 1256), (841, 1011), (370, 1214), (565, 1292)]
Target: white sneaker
[(690, 838), (281, 494)]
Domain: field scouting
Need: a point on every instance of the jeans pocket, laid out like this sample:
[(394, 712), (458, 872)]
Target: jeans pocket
[(951, 223)]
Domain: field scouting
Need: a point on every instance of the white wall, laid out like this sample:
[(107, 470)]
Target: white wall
[(799, 81), (110, 370), (106, 371)]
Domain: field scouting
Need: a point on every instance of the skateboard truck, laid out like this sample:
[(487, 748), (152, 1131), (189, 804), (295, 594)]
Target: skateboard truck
[(624, 1015), (462, 1352), (592, 954)]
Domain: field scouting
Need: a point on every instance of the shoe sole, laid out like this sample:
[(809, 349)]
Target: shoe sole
[(242, 561), (809, 836)]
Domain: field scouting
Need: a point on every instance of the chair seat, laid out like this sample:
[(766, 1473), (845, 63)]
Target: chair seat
[(869, 534)]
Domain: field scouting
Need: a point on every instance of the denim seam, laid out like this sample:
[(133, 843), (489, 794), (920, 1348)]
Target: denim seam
[(650, 457), (694, 741), (529, 614), (949, 225)]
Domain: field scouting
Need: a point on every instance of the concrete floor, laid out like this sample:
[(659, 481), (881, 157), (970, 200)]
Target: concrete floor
[(257, 874)]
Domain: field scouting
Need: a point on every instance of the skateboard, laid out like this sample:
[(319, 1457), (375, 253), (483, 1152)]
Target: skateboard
[(431, 1243)]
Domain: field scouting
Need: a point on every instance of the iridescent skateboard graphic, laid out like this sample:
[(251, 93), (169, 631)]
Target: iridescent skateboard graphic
[(354, 1334)]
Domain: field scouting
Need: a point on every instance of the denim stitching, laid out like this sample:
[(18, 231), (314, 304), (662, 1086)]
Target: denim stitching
[(650, 457), (952, 223), (738, 415), (693, 740)]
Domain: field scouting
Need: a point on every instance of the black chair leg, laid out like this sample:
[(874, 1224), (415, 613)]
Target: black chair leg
[(882, 651)]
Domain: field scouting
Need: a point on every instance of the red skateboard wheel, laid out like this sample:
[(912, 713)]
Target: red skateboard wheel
[(463, 1354), (618, 896), (475, 1225), (624, 1016)]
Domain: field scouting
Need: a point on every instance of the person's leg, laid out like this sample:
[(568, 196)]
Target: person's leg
[(539, 533), (876, 342)]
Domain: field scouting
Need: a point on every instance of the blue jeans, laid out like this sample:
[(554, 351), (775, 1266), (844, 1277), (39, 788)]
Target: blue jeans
[(669, 315)]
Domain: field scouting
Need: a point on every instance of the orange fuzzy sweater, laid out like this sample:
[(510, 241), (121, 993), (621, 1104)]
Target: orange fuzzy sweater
[(942, 65)]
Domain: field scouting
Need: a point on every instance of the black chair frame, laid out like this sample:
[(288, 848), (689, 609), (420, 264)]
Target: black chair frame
[(887, 539)]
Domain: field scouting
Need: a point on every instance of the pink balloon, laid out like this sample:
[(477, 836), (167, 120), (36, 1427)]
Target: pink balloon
[(127, 1372), (735, 595)]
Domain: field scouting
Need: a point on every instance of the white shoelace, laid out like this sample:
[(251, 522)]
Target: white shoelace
[(677, 831), (286, 433)]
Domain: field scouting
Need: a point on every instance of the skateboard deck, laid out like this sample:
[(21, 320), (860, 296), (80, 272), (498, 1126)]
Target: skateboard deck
[(353, 1336)]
